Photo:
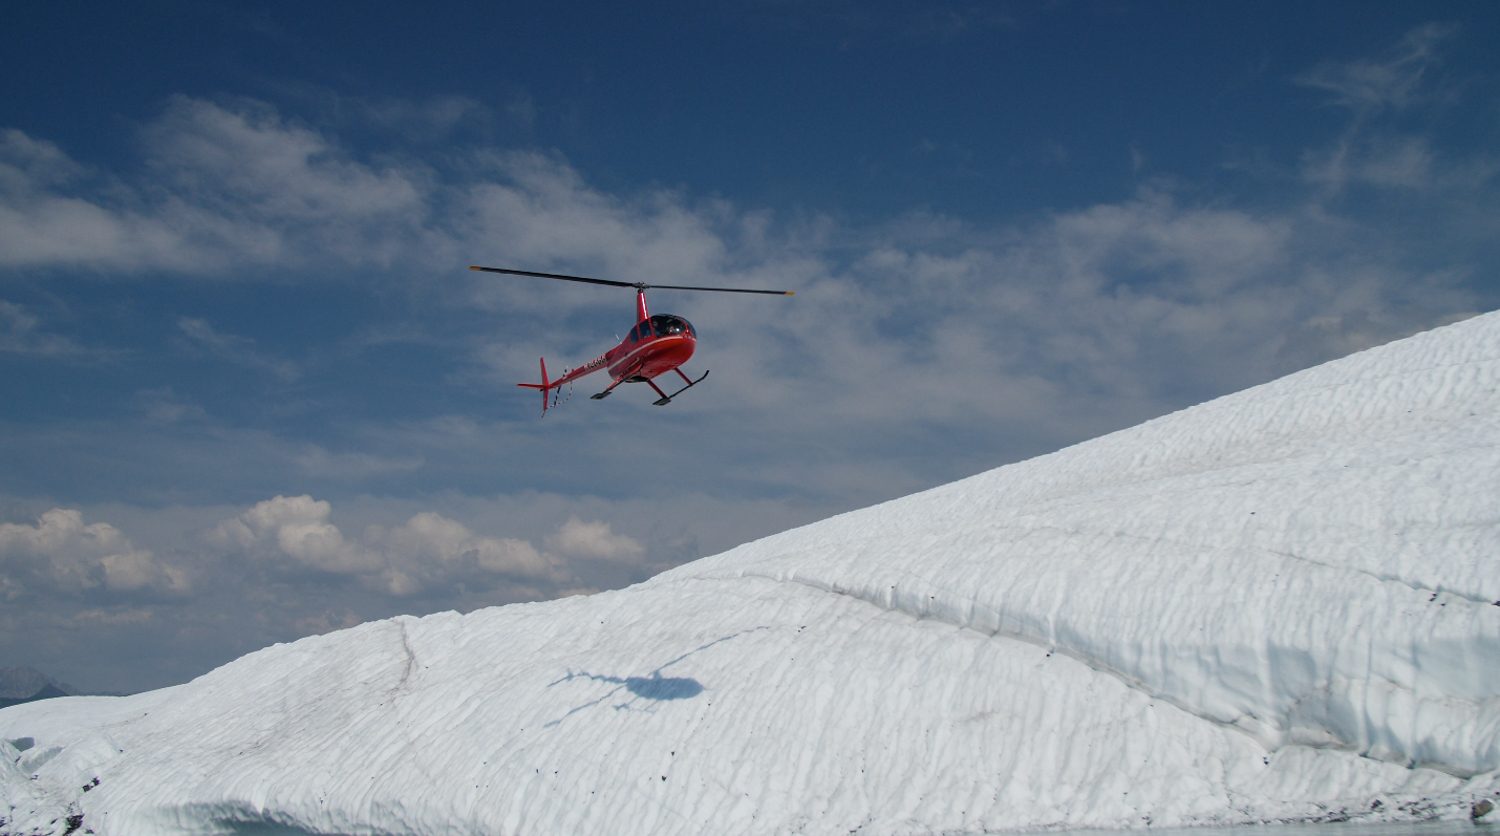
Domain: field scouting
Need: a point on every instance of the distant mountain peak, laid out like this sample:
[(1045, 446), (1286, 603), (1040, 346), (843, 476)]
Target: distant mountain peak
[(25, 683)]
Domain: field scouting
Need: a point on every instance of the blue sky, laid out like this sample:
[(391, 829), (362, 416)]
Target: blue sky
[(250, 391)]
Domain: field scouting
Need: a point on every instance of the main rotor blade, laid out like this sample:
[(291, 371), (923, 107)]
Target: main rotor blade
[(636, 285), (556, 276), (723, 289)]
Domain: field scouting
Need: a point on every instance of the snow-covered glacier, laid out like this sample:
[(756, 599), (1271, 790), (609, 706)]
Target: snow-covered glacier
[(1281, 605)]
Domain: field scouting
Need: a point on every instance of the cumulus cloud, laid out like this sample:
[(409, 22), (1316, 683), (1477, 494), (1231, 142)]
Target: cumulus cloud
[(431, 549), (594, 540), (295, 529), (428, 552), (61, 554)]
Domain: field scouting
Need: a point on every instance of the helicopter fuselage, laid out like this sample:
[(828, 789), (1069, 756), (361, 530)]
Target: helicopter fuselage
[(655, 346)]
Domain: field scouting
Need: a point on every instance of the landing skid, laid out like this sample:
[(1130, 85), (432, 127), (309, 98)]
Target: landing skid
[(610, 388), (665, 398)]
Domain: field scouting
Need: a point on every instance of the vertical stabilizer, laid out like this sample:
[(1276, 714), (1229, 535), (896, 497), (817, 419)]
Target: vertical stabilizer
[(544, 384)]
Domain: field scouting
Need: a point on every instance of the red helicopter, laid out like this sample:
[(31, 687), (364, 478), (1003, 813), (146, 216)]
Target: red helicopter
[(656, 345)]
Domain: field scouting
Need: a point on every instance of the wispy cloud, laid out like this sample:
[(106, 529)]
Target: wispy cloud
[(1367, 86), (1377, 148), (163, 406), (28, 165), (238, 350), (222, 190), (20, 334), (318, 461)]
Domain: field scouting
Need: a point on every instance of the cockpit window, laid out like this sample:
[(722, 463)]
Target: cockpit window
[(667, 324)]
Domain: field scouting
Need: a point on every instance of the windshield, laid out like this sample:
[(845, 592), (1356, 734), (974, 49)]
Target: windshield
[(665, 324)]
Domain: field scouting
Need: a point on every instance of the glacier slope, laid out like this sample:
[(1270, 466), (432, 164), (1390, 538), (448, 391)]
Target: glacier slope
[(1276, 606)]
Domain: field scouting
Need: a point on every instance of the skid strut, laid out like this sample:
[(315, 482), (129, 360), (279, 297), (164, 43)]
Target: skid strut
[(611, 387), (665, 398), (602, 395)]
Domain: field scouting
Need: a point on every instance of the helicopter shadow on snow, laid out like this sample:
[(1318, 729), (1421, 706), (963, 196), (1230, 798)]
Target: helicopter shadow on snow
[(653, 688)]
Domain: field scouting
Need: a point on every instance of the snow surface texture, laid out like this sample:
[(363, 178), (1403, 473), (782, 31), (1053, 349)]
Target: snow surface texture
[(1276, 606)]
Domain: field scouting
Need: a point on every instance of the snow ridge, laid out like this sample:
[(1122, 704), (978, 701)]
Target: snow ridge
[(1276, 606), (1225, 497)]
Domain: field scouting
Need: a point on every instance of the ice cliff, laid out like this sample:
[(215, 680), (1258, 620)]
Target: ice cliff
[(1280, 605)]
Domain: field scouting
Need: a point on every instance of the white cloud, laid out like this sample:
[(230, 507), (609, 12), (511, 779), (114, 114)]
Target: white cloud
[(1097, 301), (251, 163), (429, 547), (233, 188), (43, 223), (223, 190), (426, 552), (594, 540), (539, 211), (295, 528), (60, 553)]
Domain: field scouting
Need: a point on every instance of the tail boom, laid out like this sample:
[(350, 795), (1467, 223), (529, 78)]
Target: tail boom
[(547, 385)]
